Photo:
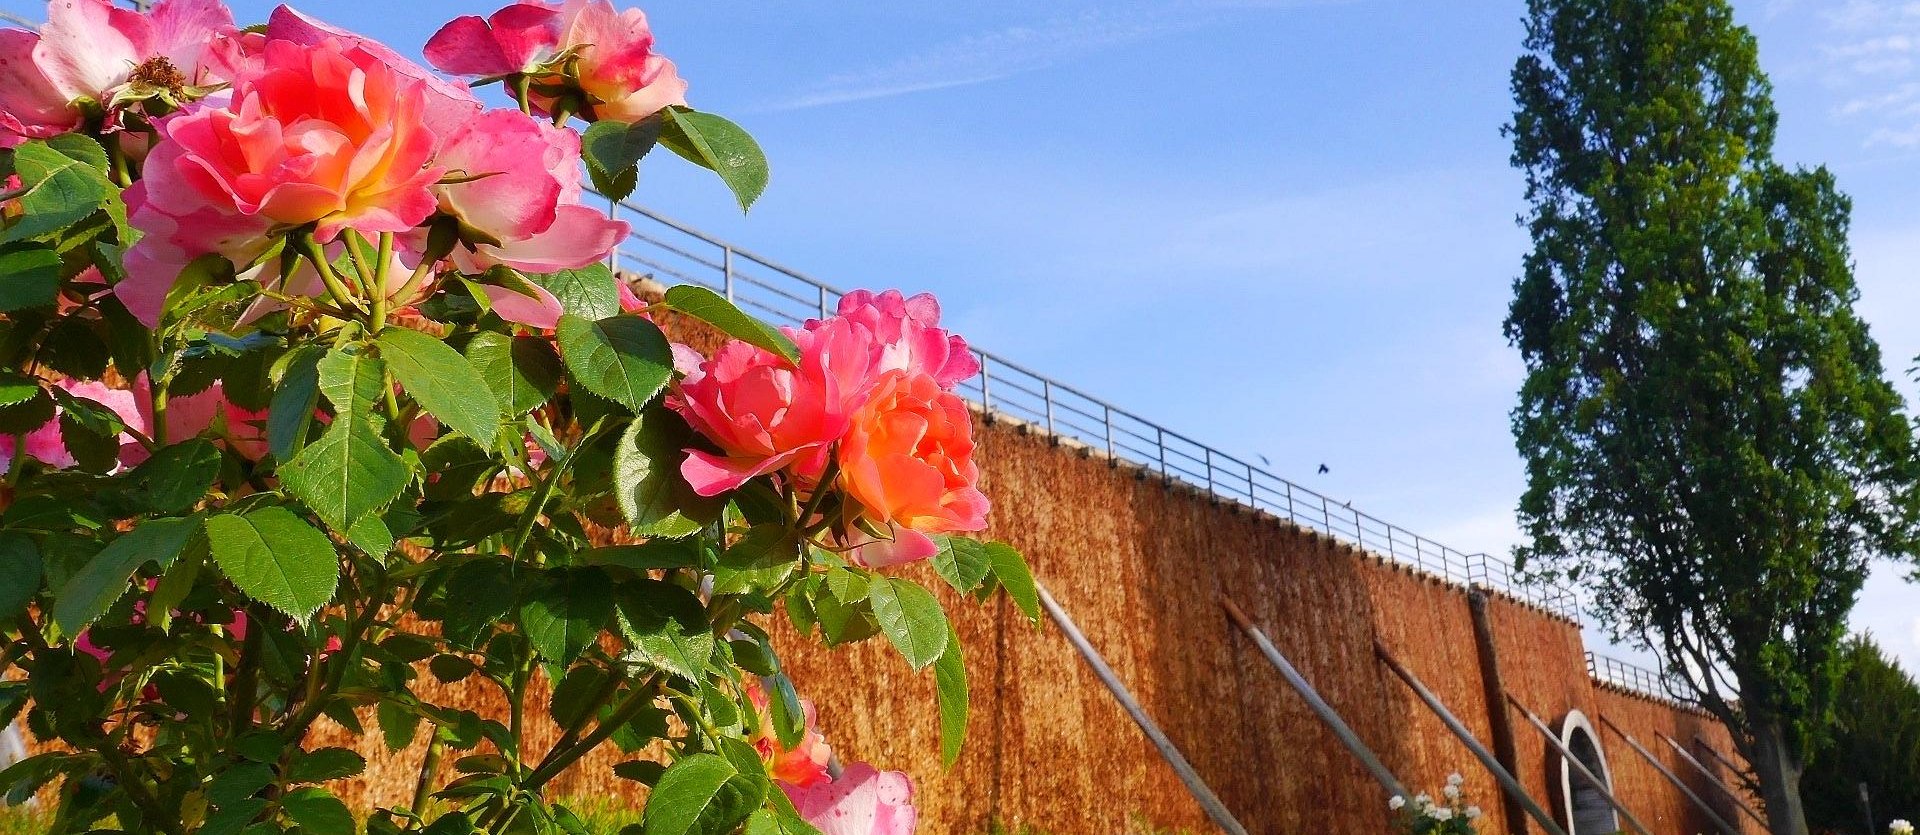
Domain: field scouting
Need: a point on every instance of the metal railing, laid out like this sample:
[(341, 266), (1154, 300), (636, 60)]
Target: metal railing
[(675, 253), (1621, 674)]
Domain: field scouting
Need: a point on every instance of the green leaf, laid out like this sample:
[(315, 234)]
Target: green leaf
[(611, 148), (964, 563), (565, 614), (323, 764), (715, 143), (177, 477), (353, 381), (294, 400), (950, 683), (1011, 569), (398, 724), (20, 572), (667, 626), (647, 483), (701, 794), (276, 558), (90, 591), (522, 371), (625, 359), (347, 473), (574, 697), (911, 618), (715, 310), (60, 190), (29, 277), (591, 292), (789, 715), (317, 810), (479, 594), (444, 383), (758, 561)]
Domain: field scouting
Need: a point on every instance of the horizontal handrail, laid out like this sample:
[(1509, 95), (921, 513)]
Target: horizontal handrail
[(1008, 389)]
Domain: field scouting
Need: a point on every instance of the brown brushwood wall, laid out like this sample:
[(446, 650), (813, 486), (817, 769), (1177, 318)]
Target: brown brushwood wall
[(1140, 564)]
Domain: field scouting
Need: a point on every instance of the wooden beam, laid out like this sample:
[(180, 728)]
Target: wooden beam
[(1599, 784), (1504, 747), (1480, 752), (1209, 801), (1330, 717)]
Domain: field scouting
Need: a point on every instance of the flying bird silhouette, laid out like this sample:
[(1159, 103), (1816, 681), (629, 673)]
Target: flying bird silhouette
[(1324, 470)]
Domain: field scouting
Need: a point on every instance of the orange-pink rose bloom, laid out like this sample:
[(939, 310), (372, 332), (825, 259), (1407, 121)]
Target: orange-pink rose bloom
[(908, 460), (803, 765), (328, 133)]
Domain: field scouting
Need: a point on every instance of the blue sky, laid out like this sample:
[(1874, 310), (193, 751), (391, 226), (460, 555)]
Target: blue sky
[(1285, 228)]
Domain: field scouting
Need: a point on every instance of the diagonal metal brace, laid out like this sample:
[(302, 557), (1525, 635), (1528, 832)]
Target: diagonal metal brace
[(1209, 801), (1715, 781), (1480, 752), (1718, 822), (1598, 784)]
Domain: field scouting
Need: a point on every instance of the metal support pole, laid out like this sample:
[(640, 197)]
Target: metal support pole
[(1600, 785), (1341, 730), (726, 271), (1046, 391), (1201, 793), (1718, 822), (1688, 757), (1479, 751)]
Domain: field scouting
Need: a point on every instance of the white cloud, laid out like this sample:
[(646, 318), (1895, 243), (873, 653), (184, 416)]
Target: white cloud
[(1017, 49)]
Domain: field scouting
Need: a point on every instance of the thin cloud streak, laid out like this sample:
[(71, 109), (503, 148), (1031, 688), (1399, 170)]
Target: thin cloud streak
[(1014, 50)]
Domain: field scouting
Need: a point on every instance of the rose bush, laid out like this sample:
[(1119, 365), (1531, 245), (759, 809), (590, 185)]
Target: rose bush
[(316, 386)]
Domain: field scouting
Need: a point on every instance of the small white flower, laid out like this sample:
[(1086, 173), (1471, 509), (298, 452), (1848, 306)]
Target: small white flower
[(1455, 779), (1443, 814), (1395, 802), (1900, 827), (1422, 800), (1473, 812), (1451, 791)]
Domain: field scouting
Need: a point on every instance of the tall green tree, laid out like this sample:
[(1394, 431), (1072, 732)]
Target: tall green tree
[(1712, 445), (1875, 740)]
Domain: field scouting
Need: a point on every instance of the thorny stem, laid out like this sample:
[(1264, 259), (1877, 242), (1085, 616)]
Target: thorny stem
[(378, 286), (423, 788)]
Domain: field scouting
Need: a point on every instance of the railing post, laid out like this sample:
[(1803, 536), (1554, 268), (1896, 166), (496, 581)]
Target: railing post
[(986, 380), (1291, 516), (1160, 443), (1209, 453), (1391, 553), (1251, 501), (1107, 420), (1046, 391), (726, 270), (613, 257)]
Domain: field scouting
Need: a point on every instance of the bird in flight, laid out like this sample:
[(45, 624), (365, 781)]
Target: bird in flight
[(1324, 470)]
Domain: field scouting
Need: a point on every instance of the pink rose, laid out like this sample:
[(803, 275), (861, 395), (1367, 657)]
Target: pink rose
[(91, 49), (516, 39), (46, 446), (519, 184), (210, 412), (803, 765), (767, 415), (864, 801), (907, 335), (448, 105), (328, 134), (615, 68), (908, 460)]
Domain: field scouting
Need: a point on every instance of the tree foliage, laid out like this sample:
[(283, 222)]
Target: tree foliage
[(1711, 443), (1875, 740)]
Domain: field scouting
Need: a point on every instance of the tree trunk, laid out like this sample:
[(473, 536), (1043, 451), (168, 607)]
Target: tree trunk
[(1779, 773)]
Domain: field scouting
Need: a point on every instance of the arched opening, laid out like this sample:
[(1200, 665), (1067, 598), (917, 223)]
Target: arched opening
[(1584, 810)]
